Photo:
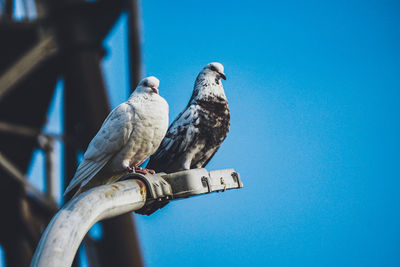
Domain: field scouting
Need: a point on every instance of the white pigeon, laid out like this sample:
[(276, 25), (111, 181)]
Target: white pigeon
[(130, 134), (197, 133)]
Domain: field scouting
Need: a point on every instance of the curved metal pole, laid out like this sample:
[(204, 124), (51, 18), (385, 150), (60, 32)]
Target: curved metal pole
[(63, 235)]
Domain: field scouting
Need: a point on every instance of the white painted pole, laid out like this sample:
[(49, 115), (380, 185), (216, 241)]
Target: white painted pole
[(63, 235)]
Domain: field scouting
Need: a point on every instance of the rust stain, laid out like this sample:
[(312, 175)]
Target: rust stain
[(142, 187), (108, 194), (111, 192), (115, 186)]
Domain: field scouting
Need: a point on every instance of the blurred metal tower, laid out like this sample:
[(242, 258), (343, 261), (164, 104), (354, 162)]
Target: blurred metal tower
[(63, 41)]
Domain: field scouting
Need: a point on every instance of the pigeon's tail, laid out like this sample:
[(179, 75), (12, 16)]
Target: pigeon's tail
[(101, 179), (85, 172)]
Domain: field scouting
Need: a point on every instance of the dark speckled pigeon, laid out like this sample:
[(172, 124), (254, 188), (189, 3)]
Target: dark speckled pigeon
[(197, 133)]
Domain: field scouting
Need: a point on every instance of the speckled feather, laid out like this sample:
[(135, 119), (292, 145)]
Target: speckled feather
[(198, 132), (130, 134)]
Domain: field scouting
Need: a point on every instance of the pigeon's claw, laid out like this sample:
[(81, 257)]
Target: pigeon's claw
[(140, 170), (144, 170)]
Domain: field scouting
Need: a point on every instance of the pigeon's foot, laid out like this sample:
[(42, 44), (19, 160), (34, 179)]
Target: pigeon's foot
[(144, 170), (130, 169), (141, 170)]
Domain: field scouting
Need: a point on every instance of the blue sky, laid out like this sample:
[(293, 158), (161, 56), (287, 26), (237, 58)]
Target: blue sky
[(313, 88)]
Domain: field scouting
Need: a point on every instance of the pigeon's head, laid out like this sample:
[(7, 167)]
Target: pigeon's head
[(216, 69), (148, 85)]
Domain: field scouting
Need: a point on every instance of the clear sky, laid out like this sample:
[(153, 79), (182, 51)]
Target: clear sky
[(314, 93)]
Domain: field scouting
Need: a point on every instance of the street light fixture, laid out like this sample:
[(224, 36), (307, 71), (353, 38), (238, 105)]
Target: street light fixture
[(143, 194)]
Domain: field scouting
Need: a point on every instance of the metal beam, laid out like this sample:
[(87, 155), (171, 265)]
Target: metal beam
[(42, 51), (134, 44), (15, 173)]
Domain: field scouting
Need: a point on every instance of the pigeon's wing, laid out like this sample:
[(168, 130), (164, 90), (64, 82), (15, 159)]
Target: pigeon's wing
[(181, 135), (111, 138)]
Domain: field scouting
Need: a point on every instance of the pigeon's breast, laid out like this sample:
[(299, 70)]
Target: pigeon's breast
[(214, 121), (149, 125)]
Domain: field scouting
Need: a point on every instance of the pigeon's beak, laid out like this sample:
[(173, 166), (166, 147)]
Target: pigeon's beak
[(222, 75), (155, 90)]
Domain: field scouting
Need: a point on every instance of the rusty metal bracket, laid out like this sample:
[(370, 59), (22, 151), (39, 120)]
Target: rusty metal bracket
[(159, 191), (162, 187)]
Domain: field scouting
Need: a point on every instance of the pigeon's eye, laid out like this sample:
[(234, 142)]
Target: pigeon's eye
[(213, 68), (145, 83)]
